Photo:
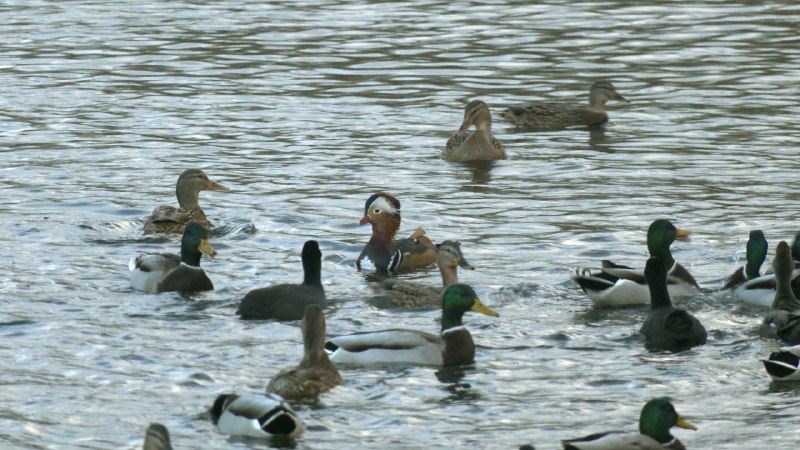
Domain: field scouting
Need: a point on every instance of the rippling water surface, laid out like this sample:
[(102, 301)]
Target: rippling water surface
[(306, 108)]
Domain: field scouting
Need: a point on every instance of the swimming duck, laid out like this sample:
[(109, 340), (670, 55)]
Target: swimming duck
[(157, 438), (760, 291), (784, 364), (479, 145), (554, 116), (288, 301), (315, 374), (168, 219), (165, 272), (617, 285), (255, 415), (666, 327), (783, 319), (657, 417), (408, 294), (452, 346), (756, 254), (382, 211)]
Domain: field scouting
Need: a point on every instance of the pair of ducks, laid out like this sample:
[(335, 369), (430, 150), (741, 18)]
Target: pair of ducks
[(656, 419), (480, 145)]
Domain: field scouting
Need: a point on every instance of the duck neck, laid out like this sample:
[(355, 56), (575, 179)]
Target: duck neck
[(187, 198), (662, 252), (190, 255), (387, 228), (784, 296), (752, 270), (312, 271), (314, 354), (451, 319), (449, 275), (597, 101)]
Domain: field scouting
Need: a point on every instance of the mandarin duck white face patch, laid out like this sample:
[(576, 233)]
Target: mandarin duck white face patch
[(382, 204)]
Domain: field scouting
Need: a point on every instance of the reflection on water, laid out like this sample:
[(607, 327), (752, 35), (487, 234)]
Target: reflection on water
[(304, 109)]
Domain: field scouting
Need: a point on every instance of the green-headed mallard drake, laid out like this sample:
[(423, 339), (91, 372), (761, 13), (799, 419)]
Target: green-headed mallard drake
[(554, 116), (452, 346), (478, 145), (288, 301), (784, 365), (408, 294), (157, 438), (657, 417), (255, 415), (165, 272), (616, 285), (666, 327), (760, 291), (783, 319), (382, 211), (756, 253), (315, 374), (168, 219)]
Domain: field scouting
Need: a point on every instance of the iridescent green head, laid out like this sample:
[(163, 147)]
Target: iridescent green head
[(194, 243), (660, 235), (756, 253), (658, 416), (458, 299)]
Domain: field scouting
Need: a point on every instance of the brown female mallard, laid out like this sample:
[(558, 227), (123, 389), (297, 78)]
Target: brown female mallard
[(554, 116), (169, 219), (478, 145)]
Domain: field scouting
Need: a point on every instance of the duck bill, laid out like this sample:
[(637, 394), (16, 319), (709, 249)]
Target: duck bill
[(682, 423), (464, 127), (478, 306), (620, 98), (465, 265), (206, 248), (679, 233), (364, 220), (214, 186)]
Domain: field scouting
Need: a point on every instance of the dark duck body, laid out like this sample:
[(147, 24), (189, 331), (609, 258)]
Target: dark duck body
[(666, 327), (288, 301)]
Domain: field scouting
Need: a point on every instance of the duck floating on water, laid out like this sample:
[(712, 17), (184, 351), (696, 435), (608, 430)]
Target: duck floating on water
[(617, 285), (478, 145), (666, 327), (657, 417), (452, 346), (555, 116), (169, 219), (316, 373), (784, 365), (288, 301), (783, 319), (166, 272), (754, 288), (255, 415), (408, 294), (382, 211)]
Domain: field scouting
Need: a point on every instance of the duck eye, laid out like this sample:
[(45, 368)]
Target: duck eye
[(376, 210)]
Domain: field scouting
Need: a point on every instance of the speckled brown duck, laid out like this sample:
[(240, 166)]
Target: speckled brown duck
[(783, 320), (169, 219), (388, 254), (315, 374), (554, 116), (478, 145), (408, 294)]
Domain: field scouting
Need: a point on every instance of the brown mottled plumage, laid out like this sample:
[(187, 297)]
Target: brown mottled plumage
[(168, 219), (783, 320), (409, 294), (315, 374), (478, 145), (382, 211), (554, 116)]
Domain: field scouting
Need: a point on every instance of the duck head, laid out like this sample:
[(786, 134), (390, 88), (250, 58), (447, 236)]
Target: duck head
[(383, 212), (601, 92), (194, 243), (476, 113), (458, 299), (657, 417), (189, 185), (660, 235), (756, 253), (449, 255)]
